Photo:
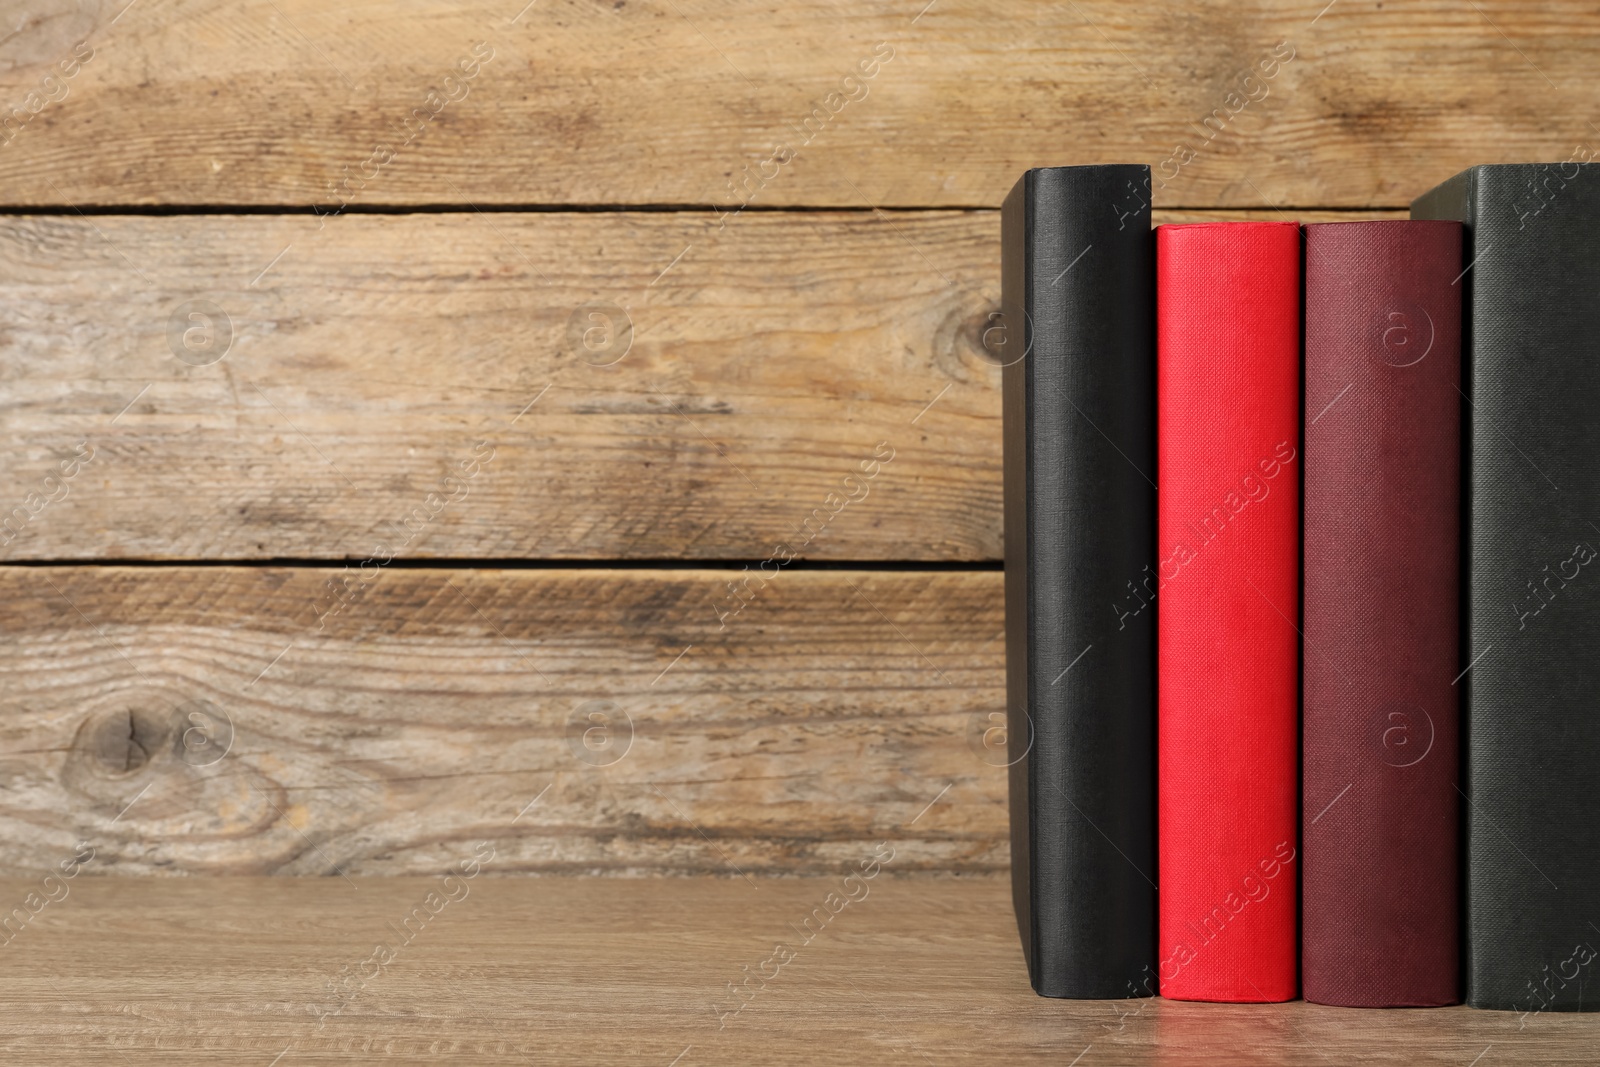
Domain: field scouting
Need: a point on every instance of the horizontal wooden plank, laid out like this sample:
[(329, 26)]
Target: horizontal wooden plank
[(572, 386), (570, 970), (250, 720), (290, 102)]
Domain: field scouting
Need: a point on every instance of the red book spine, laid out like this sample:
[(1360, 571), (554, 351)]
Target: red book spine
[(1383, 475), (1228, 583)]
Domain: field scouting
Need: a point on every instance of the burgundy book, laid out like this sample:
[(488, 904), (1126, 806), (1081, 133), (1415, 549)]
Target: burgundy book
[(1382, 566)]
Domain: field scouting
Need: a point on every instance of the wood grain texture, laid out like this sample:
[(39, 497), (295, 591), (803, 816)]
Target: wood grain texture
[(442, 706), (607, 102), (567, 970), (367, 356)]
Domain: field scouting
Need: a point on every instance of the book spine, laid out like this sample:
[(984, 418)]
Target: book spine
[(1381, 636), (1079, 442), (1228, 374), (1532, 613)]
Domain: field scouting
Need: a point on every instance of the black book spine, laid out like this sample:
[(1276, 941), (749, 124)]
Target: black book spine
[(1078, 303), (1531, 731)]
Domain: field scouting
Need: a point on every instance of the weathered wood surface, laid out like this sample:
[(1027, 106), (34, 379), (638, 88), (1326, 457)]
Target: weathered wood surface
[(365, 360), (433, 707), (559, 971), (294, 103)]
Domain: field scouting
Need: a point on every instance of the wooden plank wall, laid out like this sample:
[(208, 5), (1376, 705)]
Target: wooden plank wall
[(398, 402)]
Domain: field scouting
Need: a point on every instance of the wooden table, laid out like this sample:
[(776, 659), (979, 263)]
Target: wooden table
[(569, 970)]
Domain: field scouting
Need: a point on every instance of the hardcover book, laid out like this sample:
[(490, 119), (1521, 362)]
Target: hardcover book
[(1381, 570), (1529, 670), (1079, 444), (1228, 589)]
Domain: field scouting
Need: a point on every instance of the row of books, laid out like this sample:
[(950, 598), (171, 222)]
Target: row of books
[(1299, 622)]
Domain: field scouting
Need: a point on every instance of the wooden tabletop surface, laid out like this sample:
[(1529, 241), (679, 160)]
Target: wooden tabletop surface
[(281, 972)]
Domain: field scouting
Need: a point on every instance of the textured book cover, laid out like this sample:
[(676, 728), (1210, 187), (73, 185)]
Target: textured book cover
[(1079, 405), (1531, 675), (1380, 874), (1228, 586)]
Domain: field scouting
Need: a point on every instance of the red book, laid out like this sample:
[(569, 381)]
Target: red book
[(1228, 579), (1382, 529)]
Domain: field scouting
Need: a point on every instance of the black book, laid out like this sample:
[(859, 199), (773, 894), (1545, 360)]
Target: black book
[(1078, 285), (1531, 603)]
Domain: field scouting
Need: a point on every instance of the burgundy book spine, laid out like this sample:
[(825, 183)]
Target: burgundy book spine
[(1382, 565)]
